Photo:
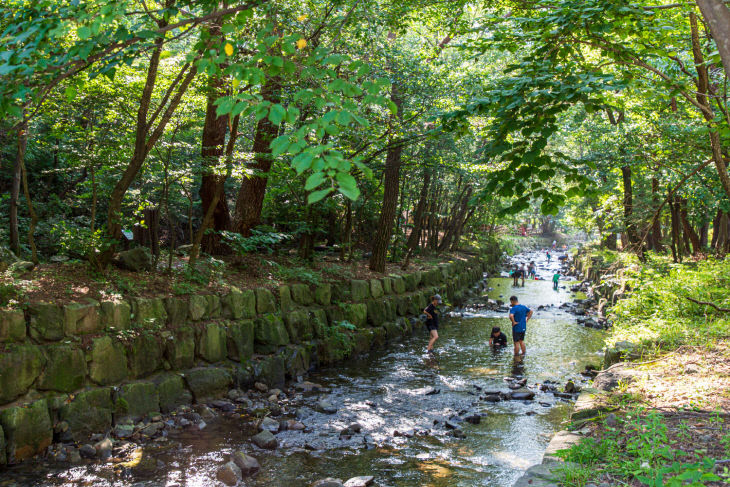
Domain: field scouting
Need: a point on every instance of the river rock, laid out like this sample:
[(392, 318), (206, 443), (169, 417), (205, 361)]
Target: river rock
[(269, 424), (328, 482), (523, 394), (265, 440), (248, 464), (137, 259), (570, 387), (104, 448), (473, 419), (87, 451), (229, 474), (325, 407), (363, 481), (457, 433), (294, 425)]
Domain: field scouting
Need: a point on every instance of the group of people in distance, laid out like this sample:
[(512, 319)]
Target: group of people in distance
[(519, 314)]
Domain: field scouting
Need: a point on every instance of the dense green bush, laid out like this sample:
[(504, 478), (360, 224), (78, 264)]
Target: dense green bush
[(658, 310)]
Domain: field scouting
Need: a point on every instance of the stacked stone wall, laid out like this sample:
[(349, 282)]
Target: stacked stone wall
[(73, 370)]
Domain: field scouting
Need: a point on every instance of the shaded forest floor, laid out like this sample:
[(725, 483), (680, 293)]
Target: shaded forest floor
[(75, 280)]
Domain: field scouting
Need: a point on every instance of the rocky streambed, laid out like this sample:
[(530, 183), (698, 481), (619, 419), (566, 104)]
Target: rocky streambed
[(397, 417)]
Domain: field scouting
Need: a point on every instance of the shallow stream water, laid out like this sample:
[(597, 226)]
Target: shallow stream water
[(386, 391)]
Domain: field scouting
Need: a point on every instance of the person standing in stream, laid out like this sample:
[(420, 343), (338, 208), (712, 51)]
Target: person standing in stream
[(519, 315), (432, 321)]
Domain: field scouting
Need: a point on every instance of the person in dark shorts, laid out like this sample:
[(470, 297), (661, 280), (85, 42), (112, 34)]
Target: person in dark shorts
[(498, 338), (516, 275), (519, 315), (432, 321)]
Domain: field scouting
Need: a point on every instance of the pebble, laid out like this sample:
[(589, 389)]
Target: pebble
[(294, 425), (229, 474), (325, 407), (104, 448), (473, 419), (457, 433), (261, 387), (328, 482), (265, 440), (87, 451), (248, 464), (269, 424)]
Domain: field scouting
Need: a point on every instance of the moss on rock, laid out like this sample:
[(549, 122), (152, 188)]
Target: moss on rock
[(357, 314), (197, 307), (264, 301), (144, 355), (65, 369), (90, 412), (359, 290), (115, 315), (323, 294), (211, 342), (376, 288), (171, 392), (180, 349), (240, 340), (108, 361), (135, 401), (12, 325), (81, 318), (269, 334), (46, 321), (28, 430), (208, 382), (301, 294), (239, 304), (20, 366), (177, 311), (149, 311)]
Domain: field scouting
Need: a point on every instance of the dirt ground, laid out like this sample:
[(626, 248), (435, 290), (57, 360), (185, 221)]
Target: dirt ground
[(73, 281)]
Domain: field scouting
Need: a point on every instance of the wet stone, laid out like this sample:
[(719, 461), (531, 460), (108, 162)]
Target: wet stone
[(362, 481), (328, 482), (229, 474), (87, 451), (248, 464), (325, 407), (265, 440)]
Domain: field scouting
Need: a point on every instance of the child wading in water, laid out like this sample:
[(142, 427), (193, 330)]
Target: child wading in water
[(432, 321), (556, 278)]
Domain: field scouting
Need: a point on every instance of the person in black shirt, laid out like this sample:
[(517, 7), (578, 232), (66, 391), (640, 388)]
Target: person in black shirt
[(432, 321), (498, 339), (517, 274)]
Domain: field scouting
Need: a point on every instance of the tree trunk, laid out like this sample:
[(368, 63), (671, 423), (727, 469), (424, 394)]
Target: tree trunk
[(250, 200), (418, 213), (676, 237), (15, 188), (213, 141), (457, 220), (656, 232), (610, 242), (716, 228), (703, 90), (689, 232), (460, 230), (717, 16), (145, 138), (629, 207), (390, 196)]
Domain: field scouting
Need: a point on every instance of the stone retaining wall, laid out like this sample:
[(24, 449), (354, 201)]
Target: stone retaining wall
[(70, 371)]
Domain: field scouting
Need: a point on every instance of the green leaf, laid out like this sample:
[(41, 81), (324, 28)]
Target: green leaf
[(302, 162), (314, 180), (84, 32), (70, 93), (318, 195), (277, 114)]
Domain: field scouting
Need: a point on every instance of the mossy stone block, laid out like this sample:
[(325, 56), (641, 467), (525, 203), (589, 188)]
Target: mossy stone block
[(380, 337), (412, 280), (399, 284), (108, 361), (28, 430), (211, 343), (20, 366), (323, 294), (239, 304), (208, 382), (298, 326), (318, 319), (418, 304), (357, 314), (89, 413), (46, 321), (213, 309), (265, 302), (198, 305), (387, 285), (65, 369), (301, 294), (240, 340), (392, 330), (115, 315), (144, 355), (286, 303), (135, 401), (3, 457), (376, 288), (335, 314), (359, 290), (341, 291), (298, 361), (171, 392), (180, 349), (177, 311), (81, 318), (362, 341), (390, 307), (376, 312), (12, 325), (149, 311), (271, 371), (335, 348), (269, 333)]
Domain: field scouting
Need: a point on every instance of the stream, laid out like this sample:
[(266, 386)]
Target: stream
[(402, 399)]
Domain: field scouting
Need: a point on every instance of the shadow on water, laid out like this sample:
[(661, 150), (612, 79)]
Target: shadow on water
[(386, 392)]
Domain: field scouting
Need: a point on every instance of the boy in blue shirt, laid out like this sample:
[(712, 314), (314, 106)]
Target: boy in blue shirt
[(519, 315)]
